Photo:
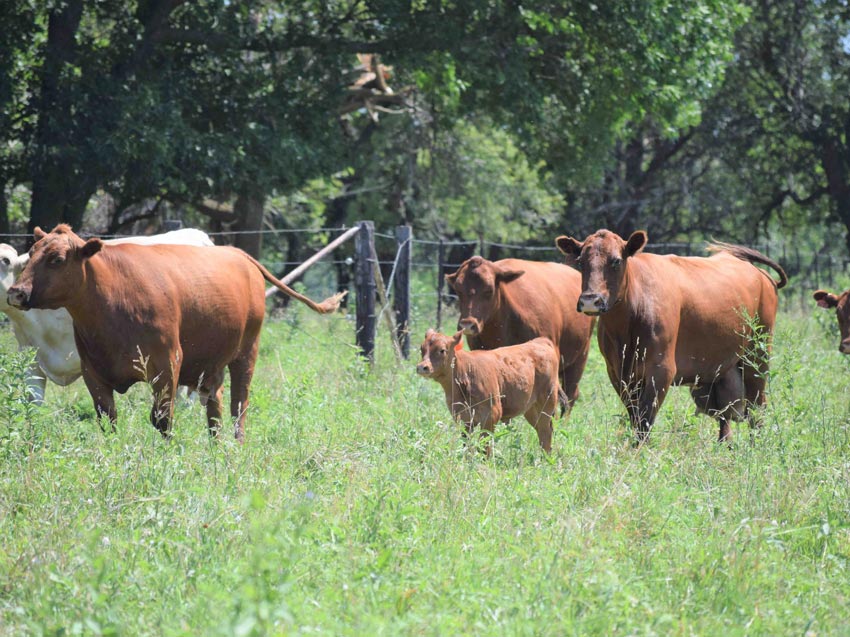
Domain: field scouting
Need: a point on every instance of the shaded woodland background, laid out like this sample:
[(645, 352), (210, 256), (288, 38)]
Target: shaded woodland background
[(476, 120)]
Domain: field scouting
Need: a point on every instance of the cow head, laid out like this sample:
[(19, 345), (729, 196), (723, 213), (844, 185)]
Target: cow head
[(841, 304), (11, 264), (438, 353), (55, 271), (477, 284), (602, 259)]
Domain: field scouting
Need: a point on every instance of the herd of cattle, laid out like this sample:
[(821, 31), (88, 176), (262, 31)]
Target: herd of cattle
[(173, 309)]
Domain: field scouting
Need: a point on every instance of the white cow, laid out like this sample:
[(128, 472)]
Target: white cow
[(51, 332)]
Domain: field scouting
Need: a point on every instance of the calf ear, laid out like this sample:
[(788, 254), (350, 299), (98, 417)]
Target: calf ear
[(635, 243), (429, 333), (38, 234), (456, 340), (825, 299), (91, 247), (569, 246)]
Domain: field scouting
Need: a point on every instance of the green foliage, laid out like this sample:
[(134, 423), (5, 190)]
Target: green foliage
[(353, 508)]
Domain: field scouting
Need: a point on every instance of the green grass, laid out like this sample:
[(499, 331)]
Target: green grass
[(353, 508)]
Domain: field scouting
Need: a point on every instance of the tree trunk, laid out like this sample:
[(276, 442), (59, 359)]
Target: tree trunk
[(835, 166), (60, 190), (249, 212), (4, 214)]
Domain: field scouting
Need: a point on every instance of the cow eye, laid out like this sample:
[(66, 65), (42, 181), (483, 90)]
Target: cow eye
[(57, 260), (616, 262), (5, 261), (443, 350)]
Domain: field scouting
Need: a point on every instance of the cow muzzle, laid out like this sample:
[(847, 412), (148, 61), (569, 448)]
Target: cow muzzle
[(592, 303), (423, 369), (18, 298), (470, 327), (844, 347)]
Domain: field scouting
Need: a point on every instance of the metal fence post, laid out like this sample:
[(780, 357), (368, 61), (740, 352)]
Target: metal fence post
[(401, 288), (364, 281)]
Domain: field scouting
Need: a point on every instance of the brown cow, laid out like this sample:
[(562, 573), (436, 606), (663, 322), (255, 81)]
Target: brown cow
[(842, 310), (513, 301), (487, 386), (703, 322), (163, 314)]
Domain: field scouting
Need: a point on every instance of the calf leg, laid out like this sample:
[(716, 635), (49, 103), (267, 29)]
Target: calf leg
[(540, 416)]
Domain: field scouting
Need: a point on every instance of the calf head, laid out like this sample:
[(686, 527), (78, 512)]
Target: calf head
[(11, 264), (842, 310), (55, 272), (438, 354), (602, 259), (477, 284)]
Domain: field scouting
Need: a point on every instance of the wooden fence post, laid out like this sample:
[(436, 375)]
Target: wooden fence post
[(441, 257), (364, 281), (401, 288)]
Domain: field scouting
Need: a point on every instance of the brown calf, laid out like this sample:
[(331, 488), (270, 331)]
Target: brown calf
[(513, 301), (484, 387), (842, 311), (702, 322), (162, 314)]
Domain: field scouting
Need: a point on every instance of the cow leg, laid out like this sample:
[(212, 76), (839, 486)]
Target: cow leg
[(722, 399), (103, 398), (241, 372), (164, 388), (36, 384), (568, 392), (643, 399), (755, 386)]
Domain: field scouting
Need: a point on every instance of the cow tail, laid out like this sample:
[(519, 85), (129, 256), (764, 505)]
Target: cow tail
[(753, 256), (327, 306)]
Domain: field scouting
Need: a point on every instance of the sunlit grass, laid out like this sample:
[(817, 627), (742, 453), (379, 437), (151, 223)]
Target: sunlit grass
[(353, 508)]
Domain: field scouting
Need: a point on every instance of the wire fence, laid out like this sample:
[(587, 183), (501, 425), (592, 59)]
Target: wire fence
[(431, 259)]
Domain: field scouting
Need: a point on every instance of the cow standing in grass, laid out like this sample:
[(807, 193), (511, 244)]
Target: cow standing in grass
[(841, 303), (51, 332), (484, 387), (162, 314), (513, 301), (663, 319)]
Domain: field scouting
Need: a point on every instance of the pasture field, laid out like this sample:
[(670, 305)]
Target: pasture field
[(353, 508)]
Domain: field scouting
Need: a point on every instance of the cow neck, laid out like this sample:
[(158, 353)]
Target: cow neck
[(505, 314), (84, 308), (450, 373)]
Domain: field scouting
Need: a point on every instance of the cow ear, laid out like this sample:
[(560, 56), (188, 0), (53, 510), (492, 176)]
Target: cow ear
[(91, 248), (825, 299), (450, 279), (429, 333), (506, 276), (569, 246), (635, 243), (38, 234)]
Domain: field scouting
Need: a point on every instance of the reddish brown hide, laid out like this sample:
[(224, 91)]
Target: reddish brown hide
[(702, 322), (841, 303), (162, 314), (513, 301), (487, 386)]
